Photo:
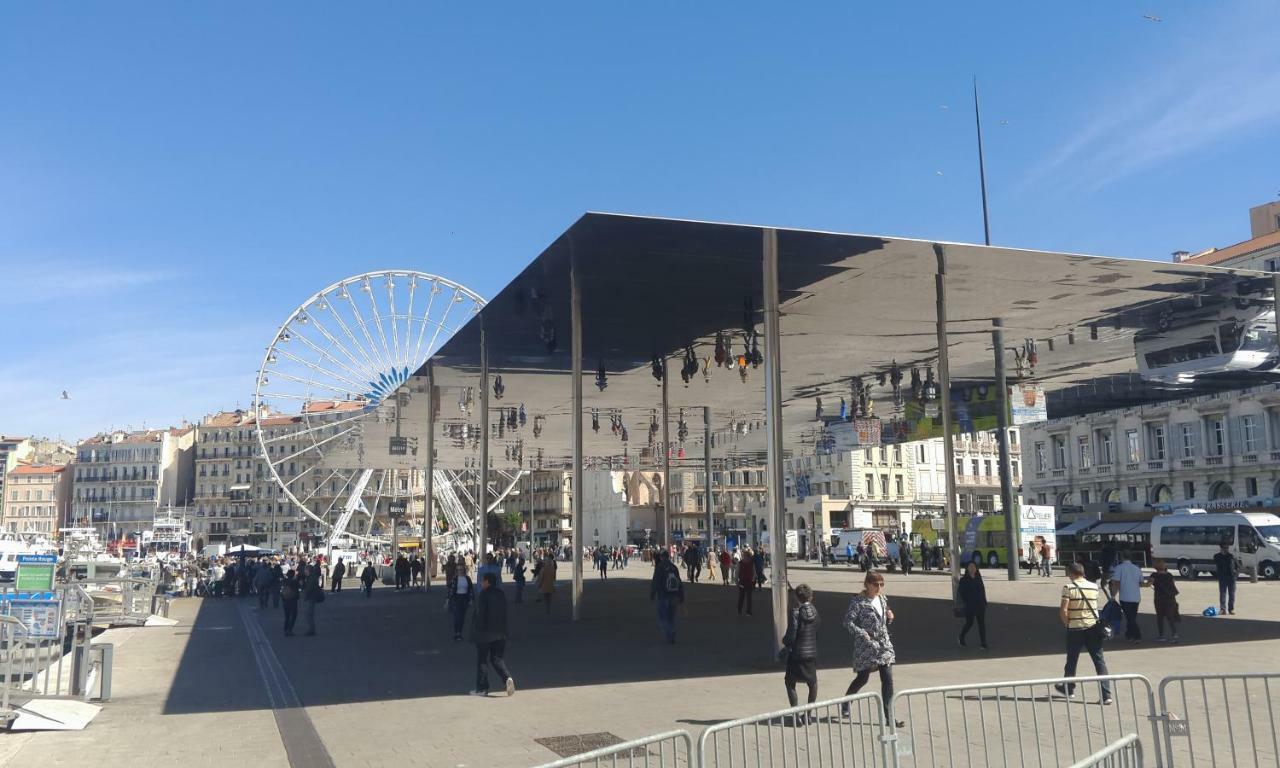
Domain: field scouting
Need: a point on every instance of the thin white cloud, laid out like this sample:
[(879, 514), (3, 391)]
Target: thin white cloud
[(156, 372), (1225, 87), (34, 281)]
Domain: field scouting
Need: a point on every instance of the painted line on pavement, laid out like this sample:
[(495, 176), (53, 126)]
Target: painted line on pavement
[(302, 742)]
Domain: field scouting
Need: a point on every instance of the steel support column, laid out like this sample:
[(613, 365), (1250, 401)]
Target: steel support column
[(773, 434), (666, 463), (708, 499), (482, 491), (1007, 501), (575, 493), (944, 387), (429, 482)]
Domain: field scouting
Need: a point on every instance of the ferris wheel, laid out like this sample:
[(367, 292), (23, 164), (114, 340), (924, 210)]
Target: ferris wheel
[(330, 365)]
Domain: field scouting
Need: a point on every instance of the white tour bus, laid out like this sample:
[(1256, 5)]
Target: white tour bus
[(1233, 341), (1188, 539)]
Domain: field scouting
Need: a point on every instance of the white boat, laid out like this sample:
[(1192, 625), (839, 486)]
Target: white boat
[(14, 544)]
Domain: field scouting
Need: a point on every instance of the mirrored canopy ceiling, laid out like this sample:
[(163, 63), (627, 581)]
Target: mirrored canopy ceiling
[(857, 312)]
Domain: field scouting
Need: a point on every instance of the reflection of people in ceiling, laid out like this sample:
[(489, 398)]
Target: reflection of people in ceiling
[(960, 413)]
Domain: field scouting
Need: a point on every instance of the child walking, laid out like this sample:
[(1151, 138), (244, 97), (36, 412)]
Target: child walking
[(1166, 594)]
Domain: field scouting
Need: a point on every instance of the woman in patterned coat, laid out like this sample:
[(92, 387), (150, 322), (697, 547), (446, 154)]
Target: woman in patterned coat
[(868, 620)]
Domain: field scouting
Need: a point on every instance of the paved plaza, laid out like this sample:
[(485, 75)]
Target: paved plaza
[(383, 683)]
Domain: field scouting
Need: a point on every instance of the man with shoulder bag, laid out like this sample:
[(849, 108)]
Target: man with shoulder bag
[(1078, 612)]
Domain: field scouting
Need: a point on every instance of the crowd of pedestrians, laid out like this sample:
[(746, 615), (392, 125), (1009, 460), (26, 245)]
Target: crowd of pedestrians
[(1093, 603)]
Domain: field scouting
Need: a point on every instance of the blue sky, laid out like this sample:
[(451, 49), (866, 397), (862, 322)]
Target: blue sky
[(175, 178)]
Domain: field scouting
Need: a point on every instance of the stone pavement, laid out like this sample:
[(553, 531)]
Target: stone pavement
[(384, 683)]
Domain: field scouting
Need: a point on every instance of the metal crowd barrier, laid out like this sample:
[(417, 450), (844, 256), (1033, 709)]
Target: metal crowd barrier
[(1020, 722), (1201, 720), (849, 731), (1244, 731), (1125, 753), (674, 748), (50, 662), (124, 600)]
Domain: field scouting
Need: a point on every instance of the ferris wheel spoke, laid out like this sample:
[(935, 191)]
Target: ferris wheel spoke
[(315, 446), (364, 371), (436, 333), (364, 329), (408, 323), (318, 488), (320, 426), (377, 323), (288, 396), (395, 330), (426, 318), (370, 364), (356, 387), (329, 509), (345, 393)]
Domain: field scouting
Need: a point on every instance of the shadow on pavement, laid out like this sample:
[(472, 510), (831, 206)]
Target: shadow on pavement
[(399, 645)]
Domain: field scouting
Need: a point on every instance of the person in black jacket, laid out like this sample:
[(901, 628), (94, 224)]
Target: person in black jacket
[(667, 588), (800, 646), (973, 597), (489, 633)]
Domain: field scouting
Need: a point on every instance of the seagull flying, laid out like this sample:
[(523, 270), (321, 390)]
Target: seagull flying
[(1152, 18)]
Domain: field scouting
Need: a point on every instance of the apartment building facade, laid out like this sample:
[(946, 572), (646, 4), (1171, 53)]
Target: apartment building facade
[(1213, 451), (38, 499), (12, 451), (122, 479)]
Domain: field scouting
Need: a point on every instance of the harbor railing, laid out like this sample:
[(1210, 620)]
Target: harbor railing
[(47, 649), (1197, 720), (124, 600), (1124, 753)]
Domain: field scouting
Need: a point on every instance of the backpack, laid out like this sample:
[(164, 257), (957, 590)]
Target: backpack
[(672, 583), (289, 592)]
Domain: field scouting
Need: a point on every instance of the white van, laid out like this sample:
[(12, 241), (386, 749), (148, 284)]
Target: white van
[(1188, 540), (1233, 341)]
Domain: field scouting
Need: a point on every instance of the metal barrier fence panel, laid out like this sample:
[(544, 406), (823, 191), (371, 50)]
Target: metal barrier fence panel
[(1020, 723), (846, 732), (1125, 753), (673, 749), (46, 666), (1212, 720)]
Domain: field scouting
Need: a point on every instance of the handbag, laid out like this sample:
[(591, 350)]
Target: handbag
[(1107, 632)]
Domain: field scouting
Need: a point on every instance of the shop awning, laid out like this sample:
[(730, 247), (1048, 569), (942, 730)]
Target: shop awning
[(1074, 528), (1114, 528)]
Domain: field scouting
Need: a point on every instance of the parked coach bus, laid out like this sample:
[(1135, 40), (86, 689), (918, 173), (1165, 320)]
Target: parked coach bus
[(1189, 539)]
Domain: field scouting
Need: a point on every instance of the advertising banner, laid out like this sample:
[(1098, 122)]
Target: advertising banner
[(1027, 404)]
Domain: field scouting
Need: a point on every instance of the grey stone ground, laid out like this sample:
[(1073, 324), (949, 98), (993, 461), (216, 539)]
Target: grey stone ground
[(383, 683)]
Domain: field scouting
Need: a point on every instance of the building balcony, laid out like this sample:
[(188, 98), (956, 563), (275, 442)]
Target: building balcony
[(1249, 458), (1084, 471), (1059, 473), (1214, 461), (1102, 469), (1133, 466), (1155, 465), (1187, 463)]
